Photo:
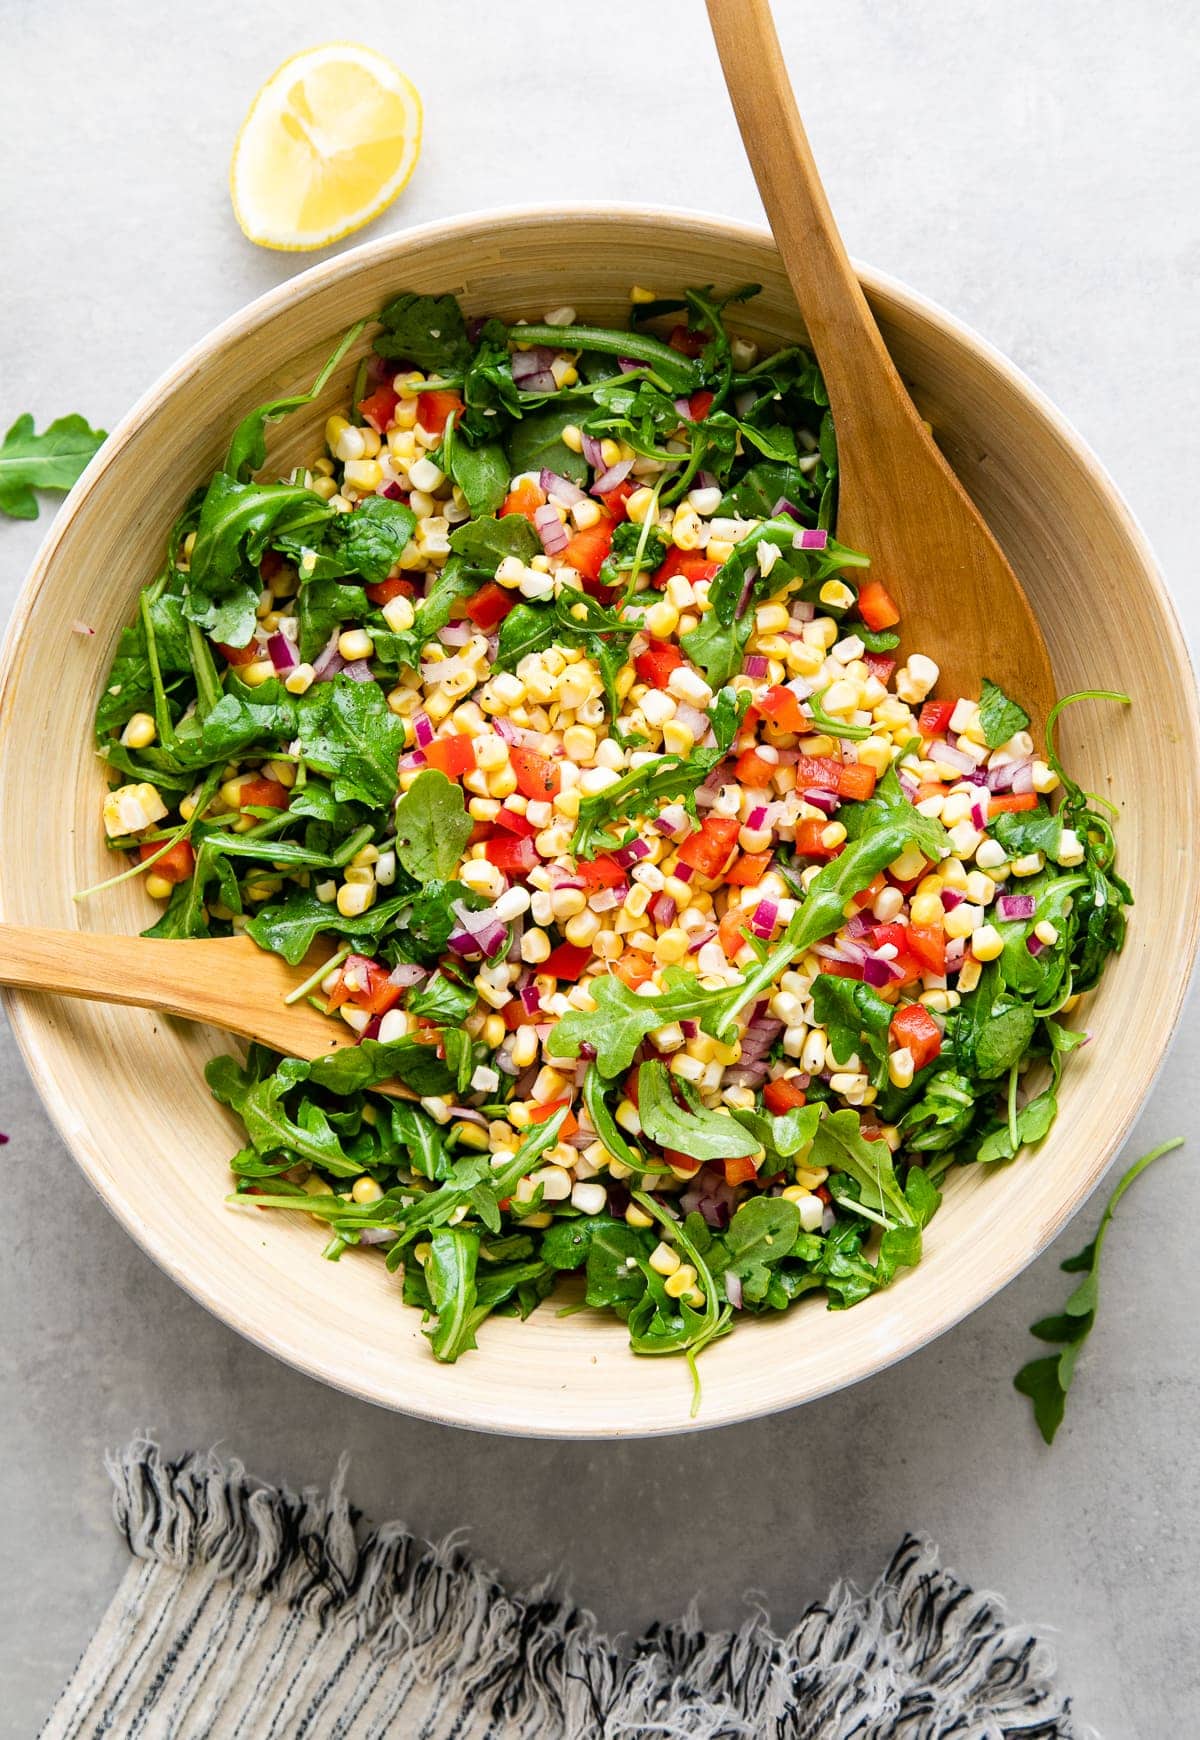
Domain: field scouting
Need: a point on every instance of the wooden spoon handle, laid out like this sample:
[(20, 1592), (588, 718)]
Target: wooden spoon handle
[(835, 311)]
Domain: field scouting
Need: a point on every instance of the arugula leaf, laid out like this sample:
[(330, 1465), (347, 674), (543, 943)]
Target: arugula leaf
[(420, 1138), (354, 1067), (291, 928), (484, 543), (481, 472), (1046, 1381), (449, 1270), (782, 1135), (640, 792), (130, 685), (1005, 1039), (536, 444), (428, 331), (443, 1000), (323, 605), (617, 1265), (853, 1015), (248, 449), (270, 1129), (238, 521), (839, 1145), (432, 826), (1028, 831), (689, 1128), (760, 1236), (348, 733), (999, 718), (672, 368), (51, 460), (567, 1244), (754, 495)]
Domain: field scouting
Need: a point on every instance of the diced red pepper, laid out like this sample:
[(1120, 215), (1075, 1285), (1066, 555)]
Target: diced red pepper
[(782, 1096), (733, 930), (490, 605), (516, 857), (655, 664), (880, 666), (262, 794), (740, 1169), (893, 935), (782, 707), (748, 869), (383, 591), (539, 1115), (567, 961), (692, 564), (452, 756), (436, 409), (927, 945), (934, 718), (708, 850), (524, 500), (239, 655), (175, 865), (633, 969), (1010, 802), (856, 780), (687, 341), (681, 1162), (479, 833), (876, 606), (366, 984), (379, 407), (822, 771), (809, 842), (913, 1026), (754, 770), (588, 548), (538, 778), (517, 1015), (615, 500), (867, 896), (600, 872), (515, 823), (699, 405)]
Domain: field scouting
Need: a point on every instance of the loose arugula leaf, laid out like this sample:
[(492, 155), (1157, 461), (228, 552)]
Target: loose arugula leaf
[(999, 718), (428, 331), (51, 460), (1028, 831), (248, 449), (432, 827), (348, 733), (688, 1128), (1046, 1381), (238, 521)]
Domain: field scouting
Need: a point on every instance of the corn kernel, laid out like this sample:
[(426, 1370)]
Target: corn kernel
[(680, 1282), (139, 732), (158, 888), (663, 1260), (354, 898)]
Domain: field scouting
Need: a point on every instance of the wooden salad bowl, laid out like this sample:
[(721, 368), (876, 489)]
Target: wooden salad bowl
[(126, 1087)]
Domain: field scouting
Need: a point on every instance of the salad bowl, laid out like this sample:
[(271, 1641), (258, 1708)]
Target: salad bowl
[(126, 1088)]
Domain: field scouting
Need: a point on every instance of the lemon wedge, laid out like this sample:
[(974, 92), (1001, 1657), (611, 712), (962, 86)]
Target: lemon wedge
[(328, 143)]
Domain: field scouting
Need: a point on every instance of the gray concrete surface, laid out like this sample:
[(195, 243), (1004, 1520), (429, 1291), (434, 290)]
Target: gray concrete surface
[(1033, 167)]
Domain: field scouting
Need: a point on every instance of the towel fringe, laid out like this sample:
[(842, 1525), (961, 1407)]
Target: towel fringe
[(919, 1656)]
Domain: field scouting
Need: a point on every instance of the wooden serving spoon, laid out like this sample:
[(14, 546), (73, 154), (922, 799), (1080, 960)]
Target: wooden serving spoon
[(228, 982), (898, 500)]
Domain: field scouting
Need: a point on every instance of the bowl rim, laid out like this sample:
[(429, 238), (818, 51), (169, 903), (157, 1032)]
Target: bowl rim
[(294, 290)]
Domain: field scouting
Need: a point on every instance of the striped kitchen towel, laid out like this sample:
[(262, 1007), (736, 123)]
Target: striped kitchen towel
[(253, 1613)]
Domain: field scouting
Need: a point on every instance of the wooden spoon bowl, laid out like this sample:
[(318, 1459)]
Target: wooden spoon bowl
[(126, 1087)]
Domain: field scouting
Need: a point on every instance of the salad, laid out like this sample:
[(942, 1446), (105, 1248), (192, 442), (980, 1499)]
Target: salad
[(542, 718)]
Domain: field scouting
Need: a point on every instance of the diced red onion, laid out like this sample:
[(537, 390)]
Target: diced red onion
[(407, 973), (393, 492), (81, 627), (329, 661), (826, 801), (859, 925), (605, 899), (505, 728), (550, 529), (1022, 779), (955, 950), (765, 915), (747, 588), (699, 938), (1000, 778), (532, 370), (378, 1235), (908, 787), (474, 922), (485, 941), (662, 910), (630, 854), (610, 479), (1011, 906), (812, 538), (951, 897), (683, 406), (755, 665), (800, 610), (531, 999), (800, 687), (784, 506), (593, 453), (949, 756), (979, 813), (689, 1028), (283, 653), (358, 670), (879, 972), (414, 759), (746, 1074), (629, 365), (671, 820), (455, 633), (757, 819), (684, 872), (1034, 944), (554, 483), (706, 480), (733, 1289), (423, 728)]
